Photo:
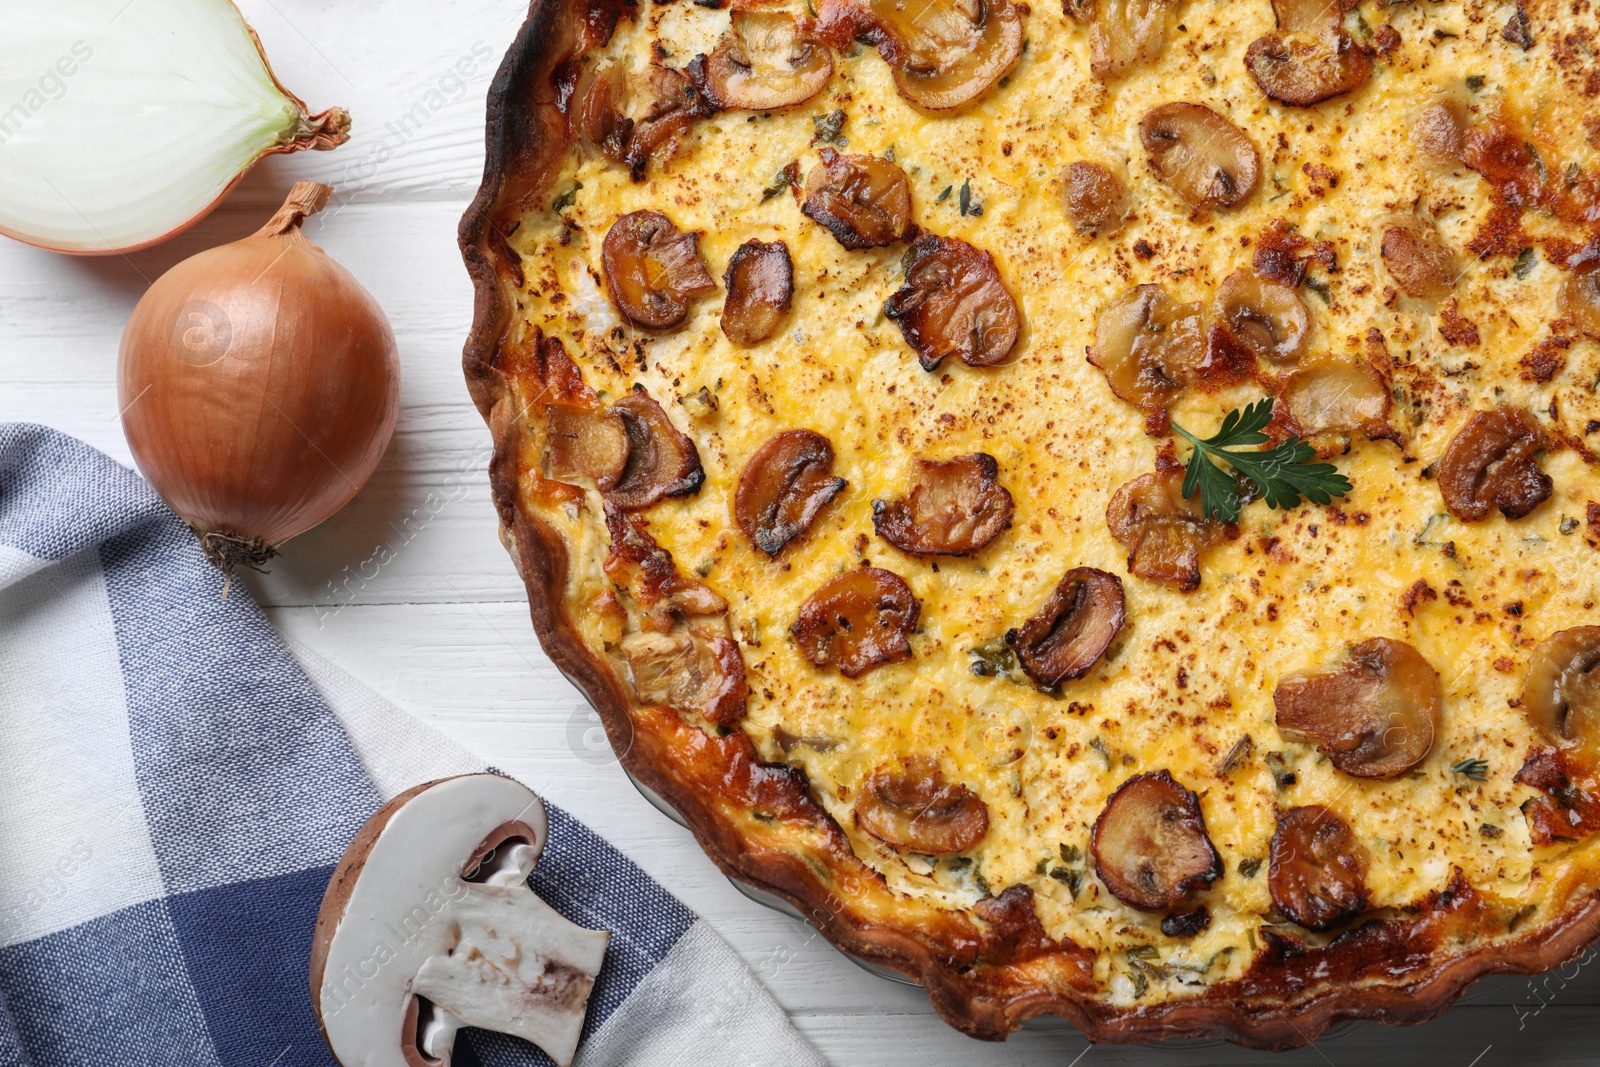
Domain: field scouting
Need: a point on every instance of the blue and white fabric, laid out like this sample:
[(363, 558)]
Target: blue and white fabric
[(176, 785)]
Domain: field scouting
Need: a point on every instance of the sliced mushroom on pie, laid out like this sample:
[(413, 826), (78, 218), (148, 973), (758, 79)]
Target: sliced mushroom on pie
[(955, 507), (1150, 844), (1375, 715)]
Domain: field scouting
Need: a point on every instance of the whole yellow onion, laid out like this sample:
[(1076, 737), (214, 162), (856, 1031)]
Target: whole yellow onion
[(259, 384)]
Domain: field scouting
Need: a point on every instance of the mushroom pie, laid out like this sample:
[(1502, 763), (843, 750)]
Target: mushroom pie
[(1096, 504)]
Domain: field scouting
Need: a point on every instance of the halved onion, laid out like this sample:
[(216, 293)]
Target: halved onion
[(158, 113)]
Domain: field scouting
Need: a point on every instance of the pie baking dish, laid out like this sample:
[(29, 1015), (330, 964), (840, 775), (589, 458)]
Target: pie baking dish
[(1096, 508)]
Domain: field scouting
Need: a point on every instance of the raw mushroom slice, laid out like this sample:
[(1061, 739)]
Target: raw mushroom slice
[(1302, 69), (1095, 197), (653, 272), (662, 460), (860, 620), (784, 487), (1163, 532), (864, 201), (1073, 627), (1492, 462), (760, 284), (688, 669), (1149, 347), (1418, 261), (946, 53), (1580, 302), (1150, 844), (953, 303), (584, 443), (909, 805), (956, 507), (1338, 398), (1206, 159), (1318, 872), (1561, 696), (1376, 715), (1126, 34), (1267, 317), (764, 62), (434, 888)]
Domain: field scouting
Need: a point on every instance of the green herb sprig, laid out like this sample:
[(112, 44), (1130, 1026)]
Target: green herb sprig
[(1282, 474), (1476, 769)]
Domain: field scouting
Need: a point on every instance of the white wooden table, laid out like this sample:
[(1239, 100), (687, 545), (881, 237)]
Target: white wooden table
[(442, 627)]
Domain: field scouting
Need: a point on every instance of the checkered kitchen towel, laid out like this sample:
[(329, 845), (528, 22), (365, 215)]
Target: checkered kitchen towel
[(175, 788)]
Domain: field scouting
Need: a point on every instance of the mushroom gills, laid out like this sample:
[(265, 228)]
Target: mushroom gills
[(956, 507), (1561, 696), (764, 62), (653, 272), (953, 303), (1149, 346), (864, 201), (784, 488), (1318, 869), (1163, 531), (947, 53), (1150, 844), (429, 926), (860, 620), (910, 805), (1072, 629), (1492, 462), (1374, 716), (1206, 159)]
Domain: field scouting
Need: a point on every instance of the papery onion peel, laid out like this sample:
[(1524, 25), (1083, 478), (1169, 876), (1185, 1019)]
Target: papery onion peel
[(259, 384)]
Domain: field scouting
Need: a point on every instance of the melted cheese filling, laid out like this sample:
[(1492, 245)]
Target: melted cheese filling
[(1191, 674)]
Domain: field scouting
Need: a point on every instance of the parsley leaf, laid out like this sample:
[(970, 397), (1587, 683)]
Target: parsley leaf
[(1283, 474)]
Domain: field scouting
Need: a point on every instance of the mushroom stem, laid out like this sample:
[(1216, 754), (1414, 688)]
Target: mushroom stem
[(516, 967)]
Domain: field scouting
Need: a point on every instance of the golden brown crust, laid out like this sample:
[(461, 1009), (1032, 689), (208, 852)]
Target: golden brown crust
[(988, 970)]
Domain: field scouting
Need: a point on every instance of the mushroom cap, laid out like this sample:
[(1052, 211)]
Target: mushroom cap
[(406, 867)]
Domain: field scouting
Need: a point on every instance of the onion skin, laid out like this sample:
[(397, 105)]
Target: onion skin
[(260, 385)]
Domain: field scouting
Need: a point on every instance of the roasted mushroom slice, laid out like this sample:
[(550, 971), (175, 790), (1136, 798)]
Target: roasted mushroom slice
[(953, 303), (1072, 629), (864, 201), (1418, 261), (1374, 716), (582, 443), (1561, 696), (1126, 34), (1095, 198), (946, 53), (638, 119), (1267, 317), (764, 62), (652, 271), (859, 620), (1338, 398), (1318, 873), (1492, 462), (784, 487), (1163, 532), (956, 507), (662, 461), (1302, 69), (1149, 347), (689, 670), (1206, 159), (760, 283), (1580, 302), (1150, 844), (909, 805)]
